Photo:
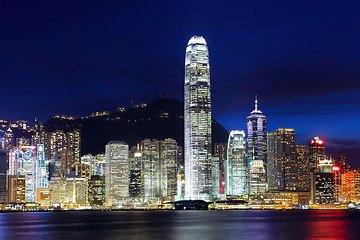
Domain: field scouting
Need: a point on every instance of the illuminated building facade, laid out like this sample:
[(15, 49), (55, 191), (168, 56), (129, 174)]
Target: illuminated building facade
[(23, 161), (150, 158), (197, 115), (324, 186), (343, 164), (168, 168), (117, 172), (58, 186), (22, 141), (136, 186), (357, 184), (44, 196), (58, 146), (3, 175), (16, 188), (256, 150), (281, 169), (76, 190), (215, 171), (348, 187), (73, 148), (42, 168), (96, 163), (8, 140), (236, 166), (317, 153), (302, 168), (96, 190)]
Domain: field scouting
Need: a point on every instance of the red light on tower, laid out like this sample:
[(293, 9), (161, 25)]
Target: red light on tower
[(320, 142), (335, 168)]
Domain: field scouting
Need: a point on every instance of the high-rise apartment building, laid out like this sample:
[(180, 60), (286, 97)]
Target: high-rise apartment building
[(236, 166), (117, 172), (281, 169), (197, 121), (256, 150)]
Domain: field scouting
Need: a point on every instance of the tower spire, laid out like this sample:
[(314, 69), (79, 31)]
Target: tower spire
[(256, 103)]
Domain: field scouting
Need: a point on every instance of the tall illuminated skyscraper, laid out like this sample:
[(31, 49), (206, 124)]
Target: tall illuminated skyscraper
[(236, 167), (281, 168), (117, 172), (256, 149), (198, 182)]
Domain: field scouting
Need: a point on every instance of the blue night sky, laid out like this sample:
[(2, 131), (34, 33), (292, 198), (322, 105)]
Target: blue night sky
[(302, 58)]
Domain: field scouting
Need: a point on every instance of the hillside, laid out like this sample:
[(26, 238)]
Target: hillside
[(160, 119)]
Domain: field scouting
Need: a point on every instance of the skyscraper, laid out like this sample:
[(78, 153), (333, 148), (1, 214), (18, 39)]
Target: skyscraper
[(256, 150), (117, 172), (302, 168), (321, 175), (197, 121), (220, 150), (281, 170), (236, 167)]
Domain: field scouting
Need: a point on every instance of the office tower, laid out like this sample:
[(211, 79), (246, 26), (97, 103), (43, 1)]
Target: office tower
[(215, 171), (96, 163), (76, 190), (22, 161), (197, 121), (44, 196), (136, 175), (3, 170), (324, 185), (281, 170), (16, 189), (42, 168), (302, 168), (256, 150), (348, 187), (117, 173), (55, 169), (337, 183), (317, 153), (58, 187), (8, 140), (236, 166), (344, 166), (220, 150), (321, 175), (168, 169), (96, 190), (150, 159)]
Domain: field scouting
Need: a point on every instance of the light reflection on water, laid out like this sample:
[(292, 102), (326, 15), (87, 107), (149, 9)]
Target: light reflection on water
[(181, 225)]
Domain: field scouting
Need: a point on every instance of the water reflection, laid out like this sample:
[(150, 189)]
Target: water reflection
[(181, 225)]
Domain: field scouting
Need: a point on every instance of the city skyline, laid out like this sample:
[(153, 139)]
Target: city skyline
[(300, 59)]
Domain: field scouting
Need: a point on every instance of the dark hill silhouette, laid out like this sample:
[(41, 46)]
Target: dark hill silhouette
[(160, 119)]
